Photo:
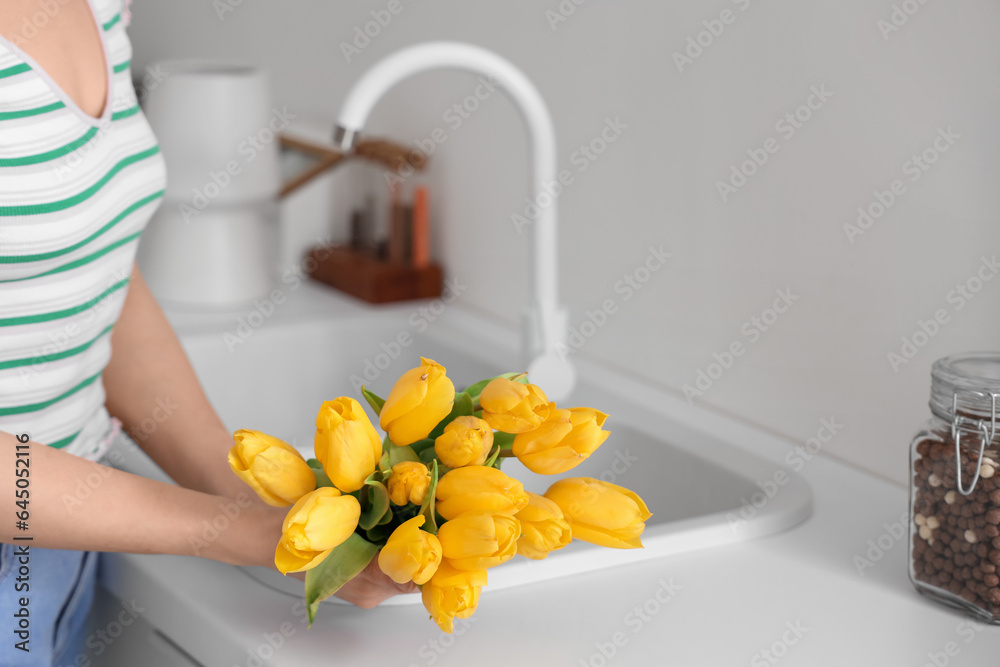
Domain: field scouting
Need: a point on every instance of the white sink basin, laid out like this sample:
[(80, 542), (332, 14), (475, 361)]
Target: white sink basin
[(702, 491)]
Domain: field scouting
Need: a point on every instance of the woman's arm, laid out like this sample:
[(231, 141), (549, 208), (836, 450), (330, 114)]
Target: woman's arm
[(128, 513), (149, 371), (125, 512), (150, 377)]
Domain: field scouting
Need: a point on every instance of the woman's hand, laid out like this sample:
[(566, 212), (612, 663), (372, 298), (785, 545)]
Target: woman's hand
[(367, 590), (372, 587)]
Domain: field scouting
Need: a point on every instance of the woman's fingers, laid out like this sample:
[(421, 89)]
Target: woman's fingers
[(372, 587)]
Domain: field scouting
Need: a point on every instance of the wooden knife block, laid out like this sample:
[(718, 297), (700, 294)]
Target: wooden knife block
[(369, 279)]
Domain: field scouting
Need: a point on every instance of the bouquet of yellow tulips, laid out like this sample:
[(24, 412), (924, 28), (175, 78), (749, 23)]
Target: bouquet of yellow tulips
[(429, 500)]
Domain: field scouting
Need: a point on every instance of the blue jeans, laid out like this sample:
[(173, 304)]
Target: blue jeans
[(60, 591)]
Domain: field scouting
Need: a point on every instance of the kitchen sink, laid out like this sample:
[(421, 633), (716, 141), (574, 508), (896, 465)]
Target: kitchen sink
[(703, 492)]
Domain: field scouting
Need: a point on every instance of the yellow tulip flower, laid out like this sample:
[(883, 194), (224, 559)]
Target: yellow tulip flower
[(408, 483), (346, 443), (466, 441), (479, 540), (316, 524), (410, 554), (478, 489), (271, 467), (451, 594), (562, 442), (600, 512), (543, 528), (513, 407), (421, 398)]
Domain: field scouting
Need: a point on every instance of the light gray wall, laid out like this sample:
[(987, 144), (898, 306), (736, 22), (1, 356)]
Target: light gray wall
[(784, 229)]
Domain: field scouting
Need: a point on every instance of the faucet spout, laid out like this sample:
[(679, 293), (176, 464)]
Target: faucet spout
[(544, 321)]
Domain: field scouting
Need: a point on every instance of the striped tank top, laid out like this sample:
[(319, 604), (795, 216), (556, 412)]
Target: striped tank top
[(75, 194)]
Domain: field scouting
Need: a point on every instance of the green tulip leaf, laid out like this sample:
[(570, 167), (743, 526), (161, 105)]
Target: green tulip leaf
[(399, 454), (494, 455), (427, 455), (462, 407), (373, 400), (378, 534), (377, 476), (503, 440), (374, 503), (322, 479), (420, 445), (383, 463), (503, 443), (427, 509), (343, 564), (475, 390)]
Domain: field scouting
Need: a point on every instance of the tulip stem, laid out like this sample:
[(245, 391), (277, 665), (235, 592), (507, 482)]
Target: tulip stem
[(506, 454), (321, 477)]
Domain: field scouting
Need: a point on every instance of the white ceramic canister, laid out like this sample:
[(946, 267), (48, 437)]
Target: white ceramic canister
[(221, 259), (211, 241)]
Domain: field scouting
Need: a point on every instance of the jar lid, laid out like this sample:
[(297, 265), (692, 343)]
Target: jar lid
[(967, 381)]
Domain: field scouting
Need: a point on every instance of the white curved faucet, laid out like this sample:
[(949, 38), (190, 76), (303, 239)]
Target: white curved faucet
[(544, 321)]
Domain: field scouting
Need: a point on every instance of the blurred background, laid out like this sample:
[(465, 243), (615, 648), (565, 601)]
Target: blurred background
[(658, 108)]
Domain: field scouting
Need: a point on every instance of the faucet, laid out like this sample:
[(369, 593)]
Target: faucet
[(544, 321)]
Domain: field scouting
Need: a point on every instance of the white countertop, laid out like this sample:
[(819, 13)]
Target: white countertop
[(798, 595)]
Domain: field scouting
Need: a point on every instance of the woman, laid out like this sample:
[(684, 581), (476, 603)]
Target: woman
[(83, 344)]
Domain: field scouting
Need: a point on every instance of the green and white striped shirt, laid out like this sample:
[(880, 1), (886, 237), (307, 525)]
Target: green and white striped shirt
[(75, 194)]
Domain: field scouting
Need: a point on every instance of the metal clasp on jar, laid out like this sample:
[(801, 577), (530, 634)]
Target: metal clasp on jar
[(988, 433)]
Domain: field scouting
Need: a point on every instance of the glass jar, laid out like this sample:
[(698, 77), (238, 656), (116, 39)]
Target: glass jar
[(955, 490)]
